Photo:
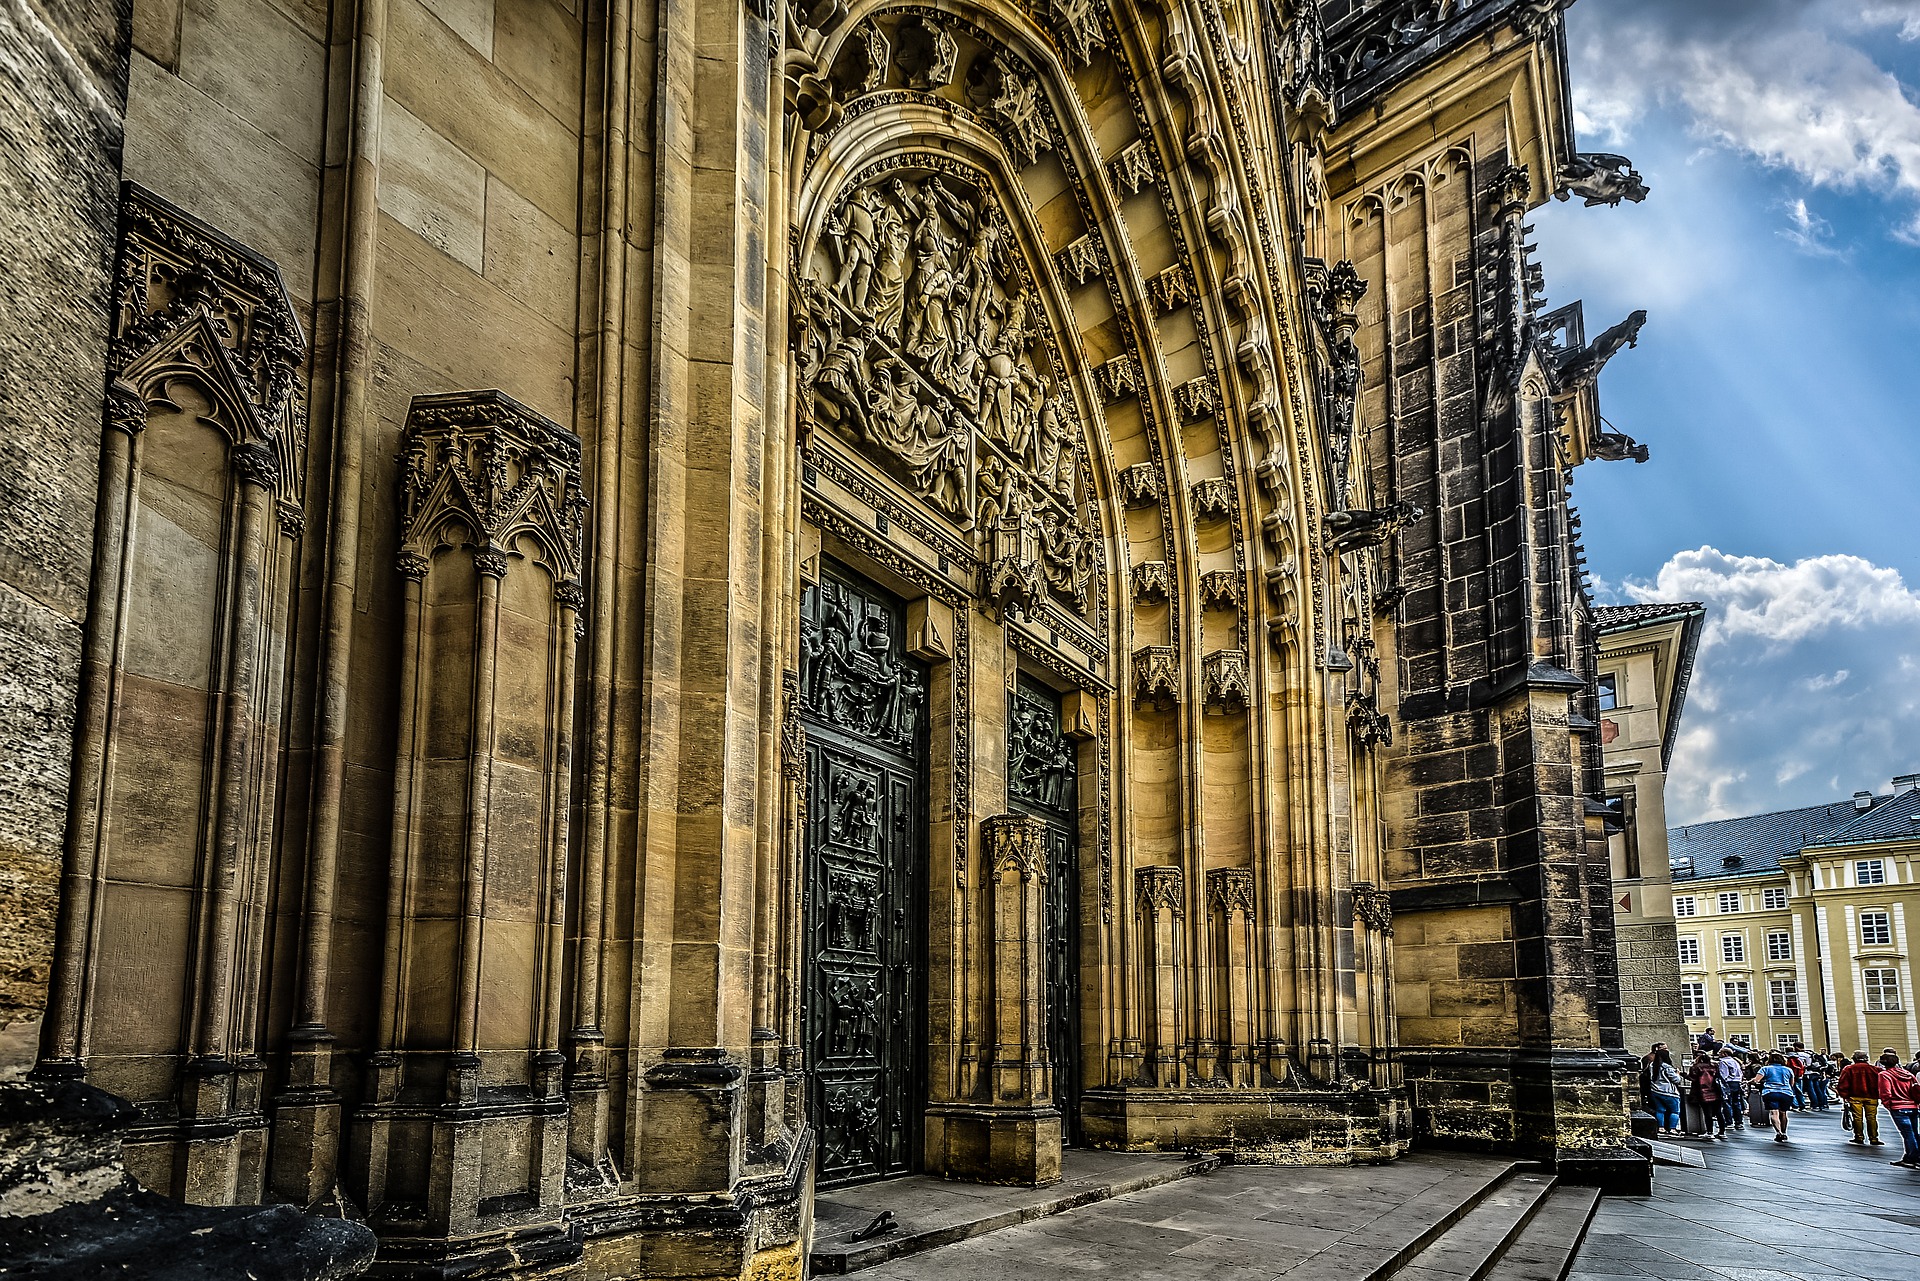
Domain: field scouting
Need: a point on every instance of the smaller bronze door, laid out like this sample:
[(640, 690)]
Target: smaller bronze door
[(862, 702), (1042, 778)]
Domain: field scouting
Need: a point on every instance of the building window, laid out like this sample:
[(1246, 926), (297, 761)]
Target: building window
[(1876, 929), (1774, 898), (1883, 990), (1690, 952), (1739, 998), (1740, 1039), (1729, 900), (1607, 685), (1783, 999), (1779, 946), (1693, 1000), (1869, 871), (1684, 905), (1783, 1042), (1733, 948)]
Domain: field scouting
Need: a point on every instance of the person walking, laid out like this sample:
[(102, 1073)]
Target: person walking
[(1668, 1090), (1733, 1096), (1703, 1081), (1816, 1080), (1860, 1091), (1900, 1091), (1776, 1090)]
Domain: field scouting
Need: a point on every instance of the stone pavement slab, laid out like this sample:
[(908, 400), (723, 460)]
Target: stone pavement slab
[(1815, 1208), (1238, 1223)]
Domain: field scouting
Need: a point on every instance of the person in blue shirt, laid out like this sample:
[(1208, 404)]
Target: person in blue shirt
[(1776, 1091)]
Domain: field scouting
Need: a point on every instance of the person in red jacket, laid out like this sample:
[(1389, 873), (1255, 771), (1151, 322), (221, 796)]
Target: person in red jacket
[(1900, 1091), (1860, 1088)]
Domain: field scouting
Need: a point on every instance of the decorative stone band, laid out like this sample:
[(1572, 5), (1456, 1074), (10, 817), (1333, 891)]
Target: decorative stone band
[(1016, 843), (1159, 889), (482, 460)]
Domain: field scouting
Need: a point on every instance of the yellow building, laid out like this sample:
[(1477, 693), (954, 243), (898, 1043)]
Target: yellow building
[(1646, 660), (1792, 926)]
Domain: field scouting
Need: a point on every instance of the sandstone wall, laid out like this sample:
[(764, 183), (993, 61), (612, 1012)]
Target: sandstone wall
[(61, 94)]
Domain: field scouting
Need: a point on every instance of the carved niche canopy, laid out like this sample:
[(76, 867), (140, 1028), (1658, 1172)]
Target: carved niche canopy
[(922, 341), (482, 461), (193, 303)]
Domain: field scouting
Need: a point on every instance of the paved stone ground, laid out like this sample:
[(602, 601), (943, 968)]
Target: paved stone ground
[(1240, 1223), (1815, 1208)]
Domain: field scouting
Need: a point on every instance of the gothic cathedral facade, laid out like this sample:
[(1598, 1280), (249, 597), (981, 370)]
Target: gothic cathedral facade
[(689, 603)]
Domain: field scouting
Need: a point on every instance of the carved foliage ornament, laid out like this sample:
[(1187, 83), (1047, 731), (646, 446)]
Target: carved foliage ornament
[(921, 340), (484, 466)]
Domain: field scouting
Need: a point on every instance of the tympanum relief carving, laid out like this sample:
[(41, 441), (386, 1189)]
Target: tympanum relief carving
[(922, 341)]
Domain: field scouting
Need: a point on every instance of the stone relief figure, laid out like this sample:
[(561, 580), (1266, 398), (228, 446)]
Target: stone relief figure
[(917, 334), (853, 675)]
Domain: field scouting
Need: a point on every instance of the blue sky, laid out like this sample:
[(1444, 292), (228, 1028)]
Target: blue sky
[(1779, 258)]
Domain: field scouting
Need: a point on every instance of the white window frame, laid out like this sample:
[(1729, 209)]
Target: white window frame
[(1685, 905), (1729, 901), (1733, 947), (1690, 952), (1876, 982), (1869, 871), (1880, 933), (1736, 998), (1783, 1042), (1774, 898), (1606, 691), (1779, 945), (1693, 1000), (1740, 1039), (1783, 999)]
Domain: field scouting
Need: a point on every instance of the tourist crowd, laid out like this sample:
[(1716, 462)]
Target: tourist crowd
[(1716, 1086)]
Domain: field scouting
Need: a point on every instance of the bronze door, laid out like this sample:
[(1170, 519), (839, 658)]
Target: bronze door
[(1041, 781), (863, 705)]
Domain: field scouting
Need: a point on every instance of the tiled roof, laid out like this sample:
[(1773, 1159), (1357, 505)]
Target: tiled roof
[(1610, 617), (1758, 842), (1891, 821)]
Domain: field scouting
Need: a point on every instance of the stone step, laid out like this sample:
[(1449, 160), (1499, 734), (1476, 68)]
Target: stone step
[(1468, 1248), (929, 1212), (1545, 1248)]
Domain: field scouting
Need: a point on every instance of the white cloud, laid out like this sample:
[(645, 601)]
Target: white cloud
[(1774, 79), (1808, 232), (1806, 686)]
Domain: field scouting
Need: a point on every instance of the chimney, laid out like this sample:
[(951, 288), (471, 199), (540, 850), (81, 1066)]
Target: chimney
[(1862, 802), (1905, 783)]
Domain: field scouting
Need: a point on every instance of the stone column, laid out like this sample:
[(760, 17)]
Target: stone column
[(1230, 901), (1159, 899), (1014, 1134)]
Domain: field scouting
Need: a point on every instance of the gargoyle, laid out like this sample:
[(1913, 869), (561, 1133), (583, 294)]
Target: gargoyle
[(1616, 447), (1581, 366), (1601, 178), (1369, 528)]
